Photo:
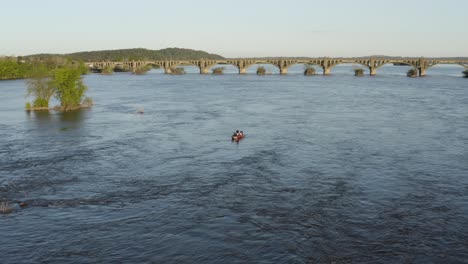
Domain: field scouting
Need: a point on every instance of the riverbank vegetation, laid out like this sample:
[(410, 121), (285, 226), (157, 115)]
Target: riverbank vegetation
[(218, 70), (11, 68), (412, 73), (21, 68), (465, 72), (261, 70), (359, 72), (309, 70)]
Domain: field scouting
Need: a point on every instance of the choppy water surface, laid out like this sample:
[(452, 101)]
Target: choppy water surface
[(333, 169)]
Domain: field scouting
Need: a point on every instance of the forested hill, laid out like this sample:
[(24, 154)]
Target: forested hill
[(140, 54)]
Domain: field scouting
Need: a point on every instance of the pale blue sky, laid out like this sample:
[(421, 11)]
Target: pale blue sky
[(241, 28)]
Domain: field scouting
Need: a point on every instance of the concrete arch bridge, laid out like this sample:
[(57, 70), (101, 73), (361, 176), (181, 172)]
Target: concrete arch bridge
[(327, 64)]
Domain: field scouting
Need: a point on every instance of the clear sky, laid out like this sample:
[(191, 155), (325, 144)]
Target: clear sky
[(241, 28)]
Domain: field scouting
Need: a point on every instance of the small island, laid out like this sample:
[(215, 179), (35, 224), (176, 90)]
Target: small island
[(465, 72), (413, 73), (261, 70), (177, 71), (359, 72), (142, 70), (309, 70), (218, 70)]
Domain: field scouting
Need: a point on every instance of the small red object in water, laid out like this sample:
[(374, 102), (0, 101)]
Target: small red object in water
[(237, 138)]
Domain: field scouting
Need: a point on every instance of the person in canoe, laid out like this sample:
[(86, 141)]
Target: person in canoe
[(234, 136), (237, 135)]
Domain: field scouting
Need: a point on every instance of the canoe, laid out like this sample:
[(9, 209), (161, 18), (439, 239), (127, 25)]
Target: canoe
[(237, 137)]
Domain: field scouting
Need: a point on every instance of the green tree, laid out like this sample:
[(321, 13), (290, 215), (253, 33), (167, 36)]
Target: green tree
[(40, 86), (69, 87), (10, 68)]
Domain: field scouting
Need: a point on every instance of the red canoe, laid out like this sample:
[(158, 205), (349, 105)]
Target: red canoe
[(237, 137)]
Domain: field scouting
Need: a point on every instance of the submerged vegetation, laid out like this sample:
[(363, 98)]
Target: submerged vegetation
[(309, 70), (5, 208), (218, 70), (359, 72), (412, 73), (465, 72), (261, 70)]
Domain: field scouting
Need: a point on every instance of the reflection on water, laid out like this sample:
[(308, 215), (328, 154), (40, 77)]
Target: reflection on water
[(41, 117), (334, 169), (47, 121), (73, 117)]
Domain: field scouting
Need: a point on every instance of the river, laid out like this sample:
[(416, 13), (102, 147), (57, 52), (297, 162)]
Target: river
[(333, 169)]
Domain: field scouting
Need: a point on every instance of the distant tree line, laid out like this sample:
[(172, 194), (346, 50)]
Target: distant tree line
[(137, 54), (21, 67), (11, 68)]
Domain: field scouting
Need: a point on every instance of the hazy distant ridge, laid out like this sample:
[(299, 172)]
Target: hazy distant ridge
[(137, 54)]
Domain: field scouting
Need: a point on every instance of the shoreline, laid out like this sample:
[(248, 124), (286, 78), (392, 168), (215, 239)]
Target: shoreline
[(57, 108)]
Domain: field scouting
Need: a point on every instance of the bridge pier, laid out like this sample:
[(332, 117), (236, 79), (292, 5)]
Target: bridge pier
[(167, 70), (283, 71), (242, 70), (326, 71), (422, 72), (204, 70), (372, 71)]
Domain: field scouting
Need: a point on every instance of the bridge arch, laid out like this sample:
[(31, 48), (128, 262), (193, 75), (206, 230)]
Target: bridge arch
[(348, 67), (229, 66), (271, 67), (446, 69), (155, 64), (189, 66), (298, 67)]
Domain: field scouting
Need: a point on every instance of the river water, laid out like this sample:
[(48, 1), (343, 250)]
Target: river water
[(333, 169)]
